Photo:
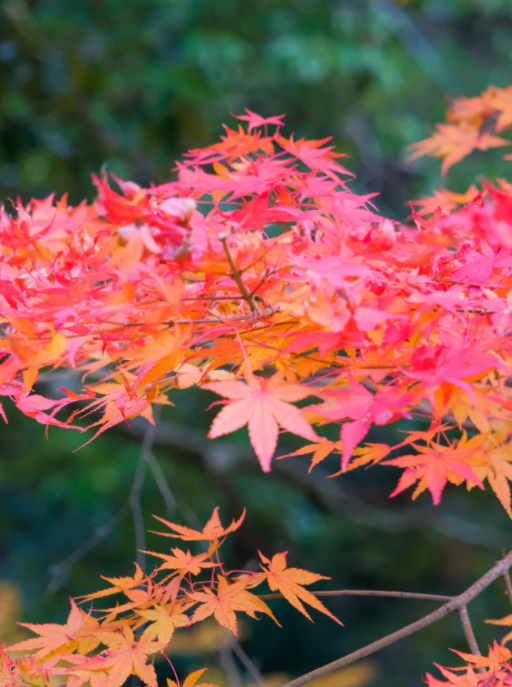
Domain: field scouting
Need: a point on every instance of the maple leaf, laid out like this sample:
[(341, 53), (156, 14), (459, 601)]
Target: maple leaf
[(445, 200), (57, 638), (363, 407), (501, 100), (369, 453), (433, 464), (183, 563), (119, 585), (497, 655), (191, 680), (314, 156), (163, 621), (493, 669), (228, 599), (499, 473), (263, 404), (320, 451), (453, 143), (77, 678), (9, 671), (212, 531), (123, 657), (289, 582), (255, 120)]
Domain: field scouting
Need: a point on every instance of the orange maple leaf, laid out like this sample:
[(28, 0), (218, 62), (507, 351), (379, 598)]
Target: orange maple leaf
[(164, 619), (290, 581), (497, 655), (501, 100), (453, 143), (183, 563), (120, 585), (228, 599), (123, 657), (492, 669), (369, 453), (499, 473), (320, 451), (191, 680), (212, 531), (263, 404), (79, 627)]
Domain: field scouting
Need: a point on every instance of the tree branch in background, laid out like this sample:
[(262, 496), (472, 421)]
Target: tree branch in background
[(468, 631), (369, 592), (220, 456), (455, 604), (508, 583)]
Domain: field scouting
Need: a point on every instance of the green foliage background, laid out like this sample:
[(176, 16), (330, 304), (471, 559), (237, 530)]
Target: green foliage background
[(132, 85)]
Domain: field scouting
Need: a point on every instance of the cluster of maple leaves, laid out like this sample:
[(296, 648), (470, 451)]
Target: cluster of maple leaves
[(493, 670), (472, 124), (260, 276), (184, 589)]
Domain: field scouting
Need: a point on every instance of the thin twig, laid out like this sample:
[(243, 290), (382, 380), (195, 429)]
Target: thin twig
[(370, 592), (221, 455), (162, 483), (228, 663), (237, 277), (58, 571), (247, 662), (468, 631), (454, 604), (138, 482)]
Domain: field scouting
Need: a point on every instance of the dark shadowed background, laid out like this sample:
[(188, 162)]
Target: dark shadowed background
[(131, 85)]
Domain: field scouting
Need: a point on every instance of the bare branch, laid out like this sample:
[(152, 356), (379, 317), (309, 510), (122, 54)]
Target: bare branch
[(138, 482), (220, 456), (247, 662), (506, 577), (228, 664), (162, 483), (455, 604), (369, 592), (58, 571), (468, 631)]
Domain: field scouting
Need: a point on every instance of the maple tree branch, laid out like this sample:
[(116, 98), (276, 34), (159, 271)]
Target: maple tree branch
[(58, 571), (370, 592), (468, 631), (162, 483), (508, 583), (215, 320), (220, 457), (455, 604), (137, 484), (237, 277), (468, 284), (247, 662), (212, 298), (228, 663)]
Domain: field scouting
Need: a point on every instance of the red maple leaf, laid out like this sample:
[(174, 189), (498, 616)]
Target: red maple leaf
[(434, 464)]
